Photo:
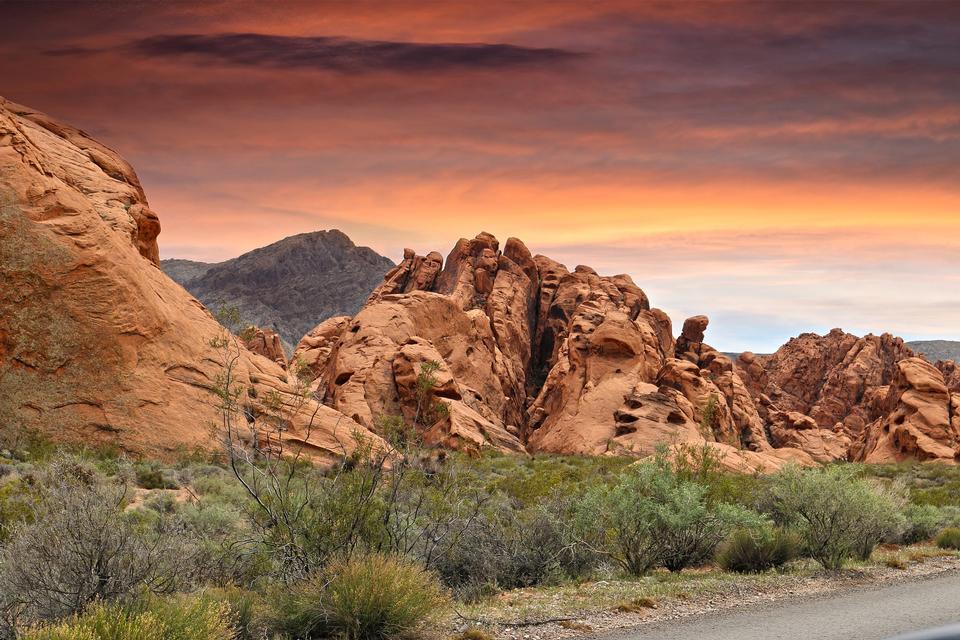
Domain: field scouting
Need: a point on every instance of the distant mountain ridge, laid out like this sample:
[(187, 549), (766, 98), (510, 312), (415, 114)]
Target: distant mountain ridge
[(937, 349), (288, 286)]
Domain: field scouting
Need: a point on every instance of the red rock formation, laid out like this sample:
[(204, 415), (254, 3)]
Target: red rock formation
[(920, 422), (831, 378), (314, 348), (266, 343), (532, 356), (97, 345)]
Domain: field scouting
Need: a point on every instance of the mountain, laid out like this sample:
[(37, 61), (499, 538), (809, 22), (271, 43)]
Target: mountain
[(937, 349), (184, 270), (97, 345), (290, 285)]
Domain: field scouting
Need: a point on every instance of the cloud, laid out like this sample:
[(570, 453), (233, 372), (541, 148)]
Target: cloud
[(334, 53)]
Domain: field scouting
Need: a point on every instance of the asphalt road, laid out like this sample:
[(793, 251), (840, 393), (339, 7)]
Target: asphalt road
[(862, 614)]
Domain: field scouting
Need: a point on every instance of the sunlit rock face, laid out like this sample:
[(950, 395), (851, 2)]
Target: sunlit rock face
[(97, 345)]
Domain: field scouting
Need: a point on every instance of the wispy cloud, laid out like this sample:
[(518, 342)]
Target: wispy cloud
[(345, 55)]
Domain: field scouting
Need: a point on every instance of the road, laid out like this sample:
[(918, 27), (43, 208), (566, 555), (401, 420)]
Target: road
[(863, 614)]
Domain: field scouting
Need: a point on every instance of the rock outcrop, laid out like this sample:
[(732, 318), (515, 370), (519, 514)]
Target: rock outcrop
[(266, 343), (97, 345), (831, 378), (842, 397), (920, 420), (528, 355)]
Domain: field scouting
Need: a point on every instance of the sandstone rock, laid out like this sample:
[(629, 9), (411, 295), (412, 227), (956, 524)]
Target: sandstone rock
[(266, 343), (691, 337), (414, 273), (793, 429), (314, 349), (740, 460), (951, 374), (826, 377), (362, 377), (920, 421), (97, 345)]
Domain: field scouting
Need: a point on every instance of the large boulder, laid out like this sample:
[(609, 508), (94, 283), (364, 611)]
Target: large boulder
[(266, 343), (920, 420), (97, 345)]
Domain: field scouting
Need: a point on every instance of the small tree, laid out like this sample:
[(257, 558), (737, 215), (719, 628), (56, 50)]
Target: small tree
[(653, 517), (838, 515), (384, 497)]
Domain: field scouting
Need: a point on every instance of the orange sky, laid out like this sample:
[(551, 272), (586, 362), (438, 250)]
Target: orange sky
[(779, 166)]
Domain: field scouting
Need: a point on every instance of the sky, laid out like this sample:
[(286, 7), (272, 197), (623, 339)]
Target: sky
[(778, 166)]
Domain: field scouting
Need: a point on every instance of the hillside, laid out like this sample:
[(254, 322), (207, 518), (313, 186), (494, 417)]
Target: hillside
[(937, 349), (290, 285)]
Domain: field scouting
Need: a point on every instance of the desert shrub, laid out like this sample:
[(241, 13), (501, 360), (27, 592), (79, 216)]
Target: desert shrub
[(758, 549), (949, 538), (373, 597), (837, 515), (174, 619), (509, 546), (922, 521), (152, 475), (81, 547), (655, 517), (14, 507), (246, 611)]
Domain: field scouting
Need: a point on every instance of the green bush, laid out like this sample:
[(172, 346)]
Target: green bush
[(655, 517), (173, 619), (837, 515), (508, 547), (151, 475), (245, 610), (949, 538), (82, 547), (759, 549), (922, 523), (374, 597)]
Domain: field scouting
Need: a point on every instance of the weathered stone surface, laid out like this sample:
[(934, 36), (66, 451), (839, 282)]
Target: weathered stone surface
[(793, 429), (97, 345), (314, 349), (920, 421), (826, 377), (266, 343)]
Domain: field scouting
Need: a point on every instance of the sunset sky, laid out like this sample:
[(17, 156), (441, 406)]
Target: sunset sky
[(779, 166)]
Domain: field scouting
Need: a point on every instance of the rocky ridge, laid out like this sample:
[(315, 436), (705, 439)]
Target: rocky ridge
[(523, 355)]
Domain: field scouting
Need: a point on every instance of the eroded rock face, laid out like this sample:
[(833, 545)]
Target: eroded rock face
[(265, 342), (528, 355), (97, 345), (831, 378), (314, 348), (920, 421)]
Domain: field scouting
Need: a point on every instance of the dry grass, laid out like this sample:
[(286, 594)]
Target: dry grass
[(474, 634), (637, 605), (573, 600), (576, 626)]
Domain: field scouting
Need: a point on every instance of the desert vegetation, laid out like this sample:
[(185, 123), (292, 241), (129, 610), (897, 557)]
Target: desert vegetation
[(96, 545), (393, 539)]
